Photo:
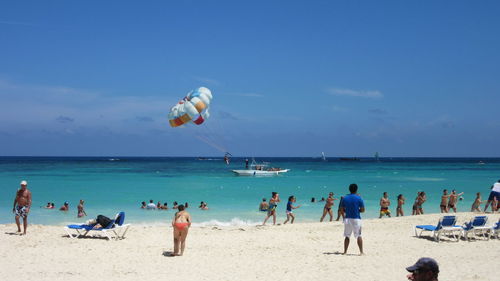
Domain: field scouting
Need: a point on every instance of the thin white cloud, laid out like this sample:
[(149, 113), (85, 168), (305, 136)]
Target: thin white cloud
[(378, 111), (337, 108), (443, 121), (250, 95), (355, 93), (208, 80), (32, 106)]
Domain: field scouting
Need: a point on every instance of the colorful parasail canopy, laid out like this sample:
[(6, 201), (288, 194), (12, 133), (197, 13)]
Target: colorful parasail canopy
[(191, 109)]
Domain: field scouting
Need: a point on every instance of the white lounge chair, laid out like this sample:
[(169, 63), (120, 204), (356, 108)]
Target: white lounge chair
[(445, 225), (495, 230), (477, 225), (116, 227)]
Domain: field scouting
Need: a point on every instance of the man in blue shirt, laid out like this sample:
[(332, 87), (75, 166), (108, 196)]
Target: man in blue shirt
[(352, 205)]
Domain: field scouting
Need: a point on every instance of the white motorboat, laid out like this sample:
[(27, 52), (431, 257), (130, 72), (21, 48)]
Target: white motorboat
[(260, 170), (251, 172)]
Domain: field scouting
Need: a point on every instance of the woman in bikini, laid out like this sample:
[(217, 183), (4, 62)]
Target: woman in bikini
[(181, 224), (415, 205), (328, 207), (476, 206), (399, 208), (81, 211), (421, 200)]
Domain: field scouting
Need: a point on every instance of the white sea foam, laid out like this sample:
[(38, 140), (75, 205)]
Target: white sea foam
[(424, 179), (232, 222)]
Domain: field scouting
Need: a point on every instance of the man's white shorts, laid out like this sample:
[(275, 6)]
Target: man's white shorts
[(352, 226)]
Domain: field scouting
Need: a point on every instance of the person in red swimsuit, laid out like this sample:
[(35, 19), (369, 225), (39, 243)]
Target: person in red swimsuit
[(181, 224)]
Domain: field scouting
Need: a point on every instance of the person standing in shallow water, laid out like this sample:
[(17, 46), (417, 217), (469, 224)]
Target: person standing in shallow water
[(22, 206), (181, 224), (352, 205), (81, 211), (263, 206)]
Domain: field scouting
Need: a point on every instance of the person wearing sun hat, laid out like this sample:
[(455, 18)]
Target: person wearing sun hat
[(22, 205), (425, 269)]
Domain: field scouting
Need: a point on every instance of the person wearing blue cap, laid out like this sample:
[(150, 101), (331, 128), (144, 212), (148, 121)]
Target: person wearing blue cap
[(64, 207), (425, 269)]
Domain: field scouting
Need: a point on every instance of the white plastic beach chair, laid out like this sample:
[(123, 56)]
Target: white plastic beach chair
[(446, 226), (495, 230), (477, 225), (116, 227)]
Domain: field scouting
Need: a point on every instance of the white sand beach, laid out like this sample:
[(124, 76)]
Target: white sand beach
[(307, 251)]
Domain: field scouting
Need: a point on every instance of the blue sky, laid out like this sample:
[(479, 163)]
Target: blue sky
[(289, 78)]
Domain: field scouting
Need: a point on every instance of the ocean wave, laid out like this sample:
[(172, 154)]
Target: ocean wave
[(232, 222), (424, 179), (213, 222)]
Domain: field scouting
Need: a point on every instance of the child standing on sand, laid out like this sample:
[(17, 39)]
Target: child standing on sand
[(289, 209)]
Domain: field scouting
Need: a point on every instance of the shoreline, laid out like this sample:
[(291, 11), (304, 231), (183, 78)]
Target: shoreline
[(300, 251)]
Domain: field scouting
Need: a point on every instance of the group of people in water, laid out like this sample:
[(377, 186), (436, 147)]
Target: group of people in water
[(152, 206), (65, 208)]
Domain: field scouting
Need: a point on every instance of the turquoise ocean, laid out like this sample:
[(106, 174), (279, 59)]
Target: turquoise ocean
[(112, 184)]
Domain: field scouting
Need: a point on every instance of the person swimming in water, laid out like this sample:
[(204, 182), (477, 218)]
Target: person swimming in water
[(64, 207), (263, 206), (181, 224), (203, 206)]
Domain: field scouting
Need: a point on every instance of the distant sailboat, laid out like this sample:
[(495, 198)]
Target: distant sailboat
[(376, 157), (323, 156)]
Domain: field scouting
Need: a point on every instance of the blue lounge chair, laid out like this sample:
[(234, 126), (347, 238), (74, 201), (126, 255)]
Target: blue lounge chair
[(445, 225), (114, 227), (477, 225)]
